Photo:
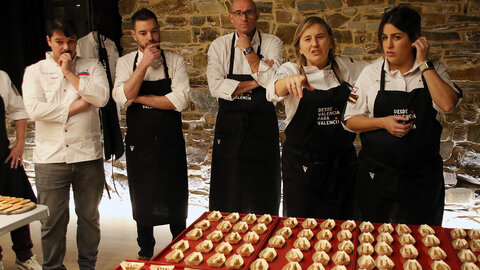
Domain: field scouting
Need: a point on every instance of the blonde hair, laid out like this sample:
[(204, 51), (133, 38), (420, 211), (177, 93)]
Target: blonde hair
[(300, 58)]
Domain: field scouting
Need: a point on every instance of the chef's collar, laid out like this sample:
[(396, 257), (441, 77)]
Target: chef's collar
[(393, 72), (314, 69)]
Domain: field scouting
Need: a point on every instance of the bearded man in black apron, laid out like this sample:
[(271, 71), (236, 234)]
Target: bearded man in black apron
[(245, 175), (400, 170), (154, 85)]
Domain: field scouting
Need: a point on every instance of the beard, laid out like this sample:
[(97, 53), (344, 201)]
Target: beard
[(143, 46)]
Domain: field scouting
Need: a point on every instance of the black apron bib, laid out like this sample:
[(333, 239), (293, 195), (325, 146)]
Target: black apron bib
[(156, 159), (400, 180), (318, 158), (245, 174), (13, 182)]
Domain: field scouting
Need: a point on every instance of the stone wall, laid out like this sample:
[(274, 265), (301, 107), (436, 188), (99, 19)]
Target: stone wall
[(452, 27)]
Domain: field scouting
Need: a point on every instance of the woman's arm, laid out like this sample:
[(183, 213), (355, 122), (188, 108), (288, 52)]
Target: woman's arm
[(393, 124)]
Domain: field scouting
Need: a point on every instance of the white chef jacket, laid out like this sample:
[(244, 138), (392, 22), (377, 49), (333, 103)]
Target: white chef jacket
[(47, 96), (320, 79), (219, 63), (87, 47), (368, 85), (11, 98), (177, 71)]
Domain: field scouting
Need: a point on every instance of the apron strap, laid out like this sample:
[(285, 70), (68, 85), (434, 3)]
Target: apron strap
[(232, 51), (165, 67), (382, 77)]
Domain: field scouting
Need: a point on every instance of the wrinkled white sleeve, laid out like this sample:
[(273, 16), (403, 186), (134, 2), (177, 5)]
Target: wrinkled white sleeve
[(11, 98), (35, 102), (94, 88), (177, 70), (219, 85), (122, 74), (361, 106), (283, 71), (273, 52), (442, 72)]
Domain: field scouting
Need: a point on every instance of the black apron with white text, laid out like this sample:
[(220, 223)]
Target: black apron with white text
[(245, 174), (156, 159), (318, 158), (400, 180), (13, 182)]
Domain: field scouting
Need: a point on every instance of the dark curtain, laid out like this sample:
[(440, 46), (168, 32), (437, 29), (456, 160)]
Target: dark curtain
[(23, 36)]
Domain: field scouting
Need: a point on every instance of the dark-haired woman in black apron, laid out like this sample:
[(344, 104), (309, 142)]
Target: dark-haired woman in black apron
[(156, 164), (318, 157), (245, 174), (400, 170)]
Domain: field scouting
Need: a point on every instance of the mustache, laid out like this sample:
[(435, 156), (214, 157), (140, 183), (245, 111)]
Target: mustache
[(70, 52)]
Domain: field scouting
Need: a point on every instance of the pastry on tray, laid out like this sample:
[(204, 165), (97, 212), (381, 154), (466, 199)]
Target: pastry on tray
[(292, 266), (440, 265), (265, 219), (203, 225), (234, 262), (224, 226), (181, 245), (341, 258), (365, 249), (346, 246), (324, 234), (344, 235), (233, 238), (233, 217), (302, 243), (328, 224), (269, 254), (322, 245), (216, 261), (469, 266), (286, 232), (309, 223), (366, 262), (195, 258), (406, 239), (402, 229), (431, 240), (424, 229), (290, 222), (316, 266), (366, 226), (194, 234), (458, 233), (366, 237), (245, 250), (437, 253), (249, 218), (260, 228), (205, 246), (412, 264), (409, 252), (348, 225), (459, 244), (277, 241), (384, 262), (382, 248), (474, 234), (251, 237), (174, 256), (224, 248), (385, 237), (259, 264), (339, 267), (131, 265), (240, 227), (385, 227), (215, 236), (475, 245), (215, 216), (466, 255), (321, 257), (307, 233), (294, 255)]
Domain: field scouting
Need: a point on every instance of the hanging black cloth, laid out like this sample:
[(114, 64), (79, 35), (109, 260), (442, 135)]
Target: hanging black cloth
[(112, 135)]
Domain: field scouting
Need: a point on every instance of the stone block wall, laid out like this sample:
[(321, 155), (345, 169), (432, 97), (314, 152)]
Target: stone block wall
[(188, 27)]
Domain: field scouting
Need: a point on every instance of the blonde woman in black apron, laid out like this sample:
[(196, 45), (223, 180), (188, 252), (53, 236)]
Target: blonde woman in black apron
[(400, 170), (318, 157)]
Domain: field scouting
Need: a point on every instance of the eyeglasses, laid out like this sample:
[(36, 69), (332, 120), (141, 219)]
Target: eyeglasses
[(248, 13)]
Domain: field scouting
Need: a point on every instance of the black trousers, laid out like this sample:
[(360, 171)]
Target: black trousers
[(146, 240)]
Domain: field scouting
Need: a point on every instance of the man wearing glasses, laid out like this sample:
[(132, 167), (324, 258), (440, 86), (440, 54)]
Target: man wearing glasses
[(245, 175)]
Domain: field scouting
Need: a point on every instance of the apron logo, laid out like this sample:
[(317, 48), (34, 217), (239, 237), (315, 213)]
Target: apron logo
[(372, 175), (218, 141), (305, 168), (132, 147)]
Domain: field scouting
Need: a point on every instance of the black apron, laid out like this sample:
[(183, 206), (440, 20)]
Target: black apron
[(400, 180), (319, 158), (13, 182), (245, 174), (156, 159)]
